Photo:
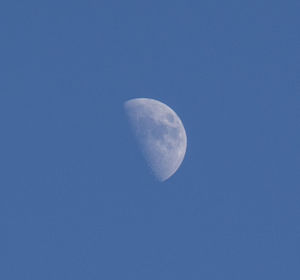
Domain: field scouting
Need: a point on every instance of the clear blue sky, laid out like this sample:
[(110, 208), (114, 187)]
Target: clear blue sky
[(76, 199)]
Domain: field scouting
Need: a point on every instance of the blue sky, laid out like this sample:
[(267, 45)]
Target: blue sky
[(76, 198)]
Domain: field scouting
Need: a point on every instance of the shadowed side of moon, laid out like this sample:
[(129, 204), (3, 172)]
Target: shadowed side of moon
[(160, 135)]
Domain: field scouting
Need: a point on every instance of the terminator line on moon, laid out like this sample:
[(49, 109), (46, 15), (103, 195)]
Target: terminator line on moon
[(160, 135)]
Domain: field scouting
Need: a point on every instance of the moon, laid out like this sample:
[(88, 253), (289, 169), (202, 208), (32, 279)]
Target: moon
[(159, 133)]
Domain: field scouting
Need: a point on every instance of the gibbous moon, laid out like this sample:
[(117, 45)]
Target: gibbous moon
[(159, 133)]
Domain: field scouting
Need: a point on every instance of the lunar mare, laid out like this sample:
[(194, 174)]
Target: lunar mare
[(159, 133)]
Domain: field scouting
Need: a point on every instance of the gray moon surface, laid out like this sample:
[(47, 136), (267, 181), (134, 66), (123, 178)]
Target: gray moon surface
[(159, 133)]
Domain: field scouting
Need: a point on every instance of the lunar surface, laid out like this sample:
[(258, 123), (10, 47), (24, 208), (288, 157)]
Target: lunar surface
[(159, 133)]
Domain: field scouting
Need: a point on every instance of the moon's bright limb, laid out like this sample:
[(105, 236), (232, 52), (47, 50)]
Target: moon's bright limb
[(160, 134)]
